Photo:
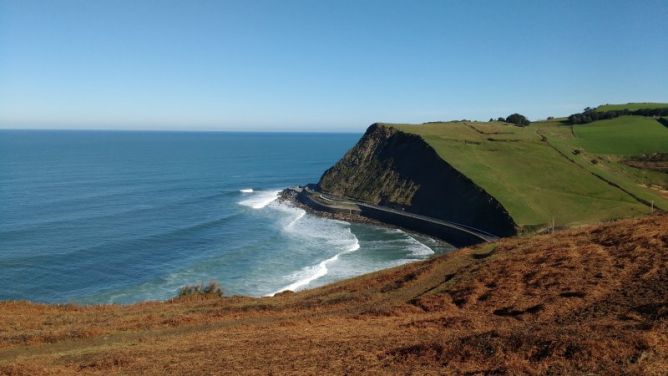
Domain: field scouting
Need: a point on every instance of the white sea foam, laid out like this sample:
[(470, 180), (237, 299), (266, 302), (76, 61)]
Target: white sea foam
[(246, 190), (260, 199), (299, 216), (415, 247), (322, 233), (311, 273), (314, 235), (418, 248)]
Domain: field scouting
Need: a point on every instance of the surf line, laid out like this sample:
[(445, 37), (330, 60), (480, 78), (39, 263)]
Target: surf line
[(318, 271), (297, 218), (260, 199)]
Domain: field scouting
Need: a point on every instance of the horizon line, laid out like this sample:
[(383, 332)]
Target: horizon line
[(174, 130)]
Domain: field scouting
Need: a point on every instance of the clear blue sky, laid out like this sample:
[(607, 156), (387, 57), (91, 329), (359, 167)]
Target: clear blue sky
[(321, 65)]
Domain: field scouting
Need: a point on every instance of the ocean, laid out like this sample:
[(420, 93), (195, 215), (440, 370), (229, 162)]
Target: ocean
[(95, 217)]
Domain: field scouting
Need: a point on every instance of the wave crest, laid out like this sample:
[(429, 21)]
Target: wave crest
[(260, 199), (311, 273), (315, 230)]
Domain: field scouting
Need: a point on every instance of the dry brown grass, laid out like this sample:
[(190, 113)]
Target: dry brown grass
[(583, 301)]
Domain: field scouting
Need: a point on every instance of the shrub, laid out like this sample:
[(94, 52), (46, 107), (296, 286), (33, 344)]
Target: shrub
[(211, 289), (518, 119)]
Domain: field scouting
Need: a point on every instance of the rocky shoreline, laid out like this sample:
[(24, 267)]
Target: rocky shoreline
[(289, 196)]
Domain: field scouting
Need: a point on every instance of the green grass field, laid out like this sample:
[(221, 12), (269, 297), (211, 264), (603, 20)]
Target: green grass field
[(545, 171), (630, 106), (626, 135)]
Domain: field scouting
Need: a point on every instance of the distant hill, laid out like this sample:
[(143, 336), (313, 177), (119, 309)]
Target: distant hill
[(548, 171), (631, 106)]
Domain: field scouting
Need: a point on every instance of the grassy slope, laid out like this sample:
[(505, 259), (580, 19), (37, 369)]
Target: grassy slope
[(630, 106), (591, 300), (532, 179), (626, 135), (640, 183)]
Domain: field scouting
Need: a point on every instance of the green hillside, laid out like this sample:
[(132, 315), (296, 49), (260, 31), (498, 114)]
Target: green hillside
[(553, 171), (630, 106), (626, 135)]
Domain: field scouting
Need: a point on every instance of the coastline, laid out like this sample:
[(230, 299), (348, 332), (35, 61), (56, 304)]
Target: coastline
[(458, 235), (289, 196)]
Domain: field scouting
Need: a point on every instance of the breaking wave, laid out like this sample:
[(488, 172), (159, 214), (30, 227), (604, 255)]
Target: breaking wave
[(260, 199), (325, 234)]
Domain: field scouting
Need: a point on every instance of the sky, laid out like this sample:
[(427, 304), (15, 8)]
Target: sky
[(287, 65)]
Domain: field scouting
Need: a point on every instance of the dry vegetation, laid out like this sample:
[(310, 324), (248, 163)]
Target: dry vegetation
[(583, 301)]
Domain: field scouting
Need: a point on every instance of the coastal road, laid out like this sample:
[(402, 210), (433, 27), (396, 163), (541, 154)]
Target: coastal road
[(351, 205)]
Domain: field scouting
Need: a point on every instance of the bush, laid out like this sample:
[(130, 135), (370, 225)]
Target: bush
[(517, 119), (211, 289)]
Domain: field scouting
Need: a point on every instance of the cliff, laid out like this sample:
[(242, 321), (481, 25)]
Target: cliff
[(396, 169)]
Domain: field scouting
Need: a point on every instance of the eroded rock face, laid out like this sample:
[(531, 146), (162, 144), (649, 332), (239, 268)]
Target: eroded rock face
[(392, 168)]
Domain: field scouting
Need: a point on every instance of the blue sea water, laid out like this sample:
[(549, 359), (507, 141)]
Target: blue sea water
[(121, 217)]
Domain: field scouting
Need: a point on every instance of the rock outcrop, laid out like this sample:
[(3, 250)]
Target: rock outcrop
[(392, 168)]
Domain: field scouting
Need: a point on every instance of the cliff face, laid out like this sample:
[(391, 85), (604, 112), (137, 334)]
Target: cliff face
[(392, 168)]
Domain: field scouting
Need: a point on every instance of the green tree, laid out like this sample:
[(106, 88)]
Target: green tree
[(518, 119)]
